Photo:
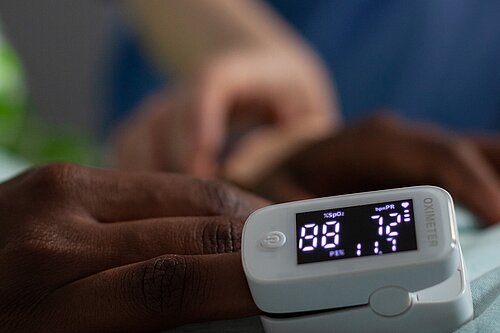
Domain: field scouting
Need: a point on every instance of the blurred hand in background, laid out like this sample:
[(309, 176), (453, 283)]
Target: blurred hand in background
[(385, 151), (252, 104), (238, 69)]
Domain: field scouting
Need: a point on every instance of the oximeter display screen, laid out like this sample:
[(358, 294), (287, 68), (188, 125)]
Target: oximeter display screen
[(357, 231)]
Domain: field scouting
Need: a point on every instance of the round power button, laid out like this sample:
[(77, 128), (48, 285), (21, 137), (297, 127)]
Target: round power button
[(273, 240), (390, 301)]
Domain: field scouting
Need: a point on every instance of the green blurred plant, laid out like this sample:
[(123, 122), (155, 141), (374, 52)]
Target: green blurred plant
[(42, 143), (24, 134), (12, 95)]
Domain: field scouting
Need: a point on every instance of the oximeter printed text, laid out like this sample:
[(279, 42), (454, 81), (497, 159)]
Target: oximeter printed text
[(356, 231)]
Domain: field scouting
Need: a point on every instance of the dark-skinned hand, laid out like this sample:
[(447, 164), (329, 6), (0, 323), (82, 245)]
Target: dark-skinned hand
[(87, 250), (384, 152)]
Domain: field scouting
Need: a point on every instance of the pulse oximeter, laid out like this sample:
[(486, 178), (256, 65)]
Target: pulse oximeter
[(383, 261)]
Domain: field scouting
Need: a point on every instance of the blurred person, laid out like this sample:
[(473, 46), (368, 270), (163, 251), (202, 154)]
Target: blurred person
[(236, 68), (425, 59), (231, 60)]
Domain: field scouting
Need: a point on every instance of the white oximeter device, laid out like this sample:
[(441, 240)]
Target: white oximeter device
[(383, 261)]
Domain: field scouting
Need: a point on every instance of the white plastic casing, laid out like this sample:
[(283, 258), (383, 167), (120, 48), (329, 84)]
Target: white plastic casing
[(280, 285), (438, 309)]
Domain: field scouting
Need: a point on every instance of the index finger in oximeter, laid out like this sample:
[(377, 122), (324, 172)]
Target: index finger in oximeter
[(378, 250)]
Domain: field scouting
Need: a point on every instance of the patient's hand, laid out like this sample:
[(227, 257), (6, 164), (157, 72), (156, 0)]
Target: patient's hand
[(384, 152), (92, 250)]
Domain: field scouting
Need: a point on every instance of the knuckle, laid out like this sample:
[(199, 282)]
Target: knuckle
[(206, 74), (454, 155), (213, 70), (220, 198), (55, 172), (43, 240), (38, 251), (456, 149), (222, 236), (55, 178), (385, 119), (209, 75), (167, 285)]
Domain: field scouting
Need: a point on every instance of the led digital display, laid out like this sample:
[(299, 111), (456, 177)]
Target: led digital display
[(357, 231)]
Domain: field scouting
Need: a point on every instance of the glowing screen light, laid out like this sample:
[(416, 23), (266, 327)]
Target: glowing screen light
[(356, 231)]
